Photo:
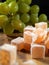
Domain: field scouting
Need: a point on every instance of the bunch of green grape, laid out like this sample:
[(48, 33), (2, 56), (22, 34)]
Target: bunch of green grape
[(16, 14)]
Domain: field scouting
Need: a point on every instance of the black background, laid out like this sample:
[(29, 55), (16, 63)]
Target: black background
[(44, 6)]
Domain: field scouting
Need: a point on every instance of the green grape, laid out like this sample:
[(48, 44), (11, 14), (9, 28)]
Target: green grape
[(4, 9), (34, 15), (24, 8), (17, 24), (21, 29), (25, 1), (21, 1), (25, 18), (35, 9), (3, 20), (34, 19), (16, 17), (8, 1), (42, 17), (5, 2), (13, 7), (8, 29), (28, 1), (48, 25)]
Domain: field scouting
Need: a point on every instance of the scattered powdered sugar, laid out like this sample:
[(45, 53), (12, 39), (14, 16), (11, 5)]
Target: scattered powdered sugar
[(18, 40), (29, 28), (8, 47), (30, 62)]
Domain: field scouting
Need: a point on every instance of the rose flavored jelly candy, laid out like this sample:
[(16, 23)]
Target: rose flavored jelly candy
[(47, 42), (42, 25), (37, 51), (29, 37), (7, 54), (42, 34), (18, 42), (29, 28), (27, 46)]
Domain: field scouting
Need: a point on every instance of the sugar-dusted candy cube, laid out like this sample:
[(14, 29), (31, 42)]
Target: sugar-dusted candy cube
[(37, 51), (27, 46), (47, 31), (47, 42), (29, 28), (29, 62), (18, 42), (46, 51), (29, 37), (7, 55), (42, 25), (42, 34)]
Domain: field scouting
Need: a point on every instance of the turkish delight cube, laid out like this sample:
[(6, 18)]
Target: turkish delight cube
[(47, 31), (18, 42), (42, 34), (27, 46), (47, 42), (29, 37), (37, 51), (29, 28), (42, 25), (7, 55)]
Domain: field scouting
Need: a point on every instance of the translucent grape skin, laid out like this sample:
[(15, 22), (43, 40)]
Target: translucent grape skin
[(15, 24), (18, 25), (25, 1), (4, 9), (3, 20), (34, 19), (22, 27), (8, 1), (25, 18), (48, 24), (34, 15), (16, 17), (13, 7), (42, 17), (28, 2), (35, 9), (8, 29), (21, 1), (24, 8)]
